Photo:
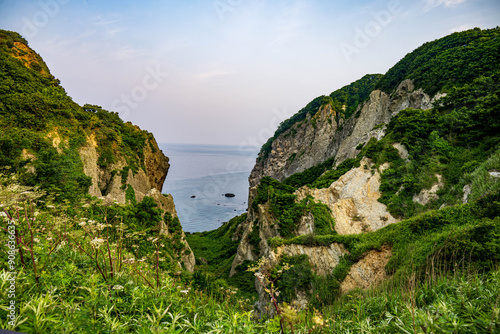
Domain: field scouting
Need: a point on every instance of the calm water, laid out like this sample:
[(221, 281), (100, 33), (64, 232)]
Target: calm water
[(207, 172)]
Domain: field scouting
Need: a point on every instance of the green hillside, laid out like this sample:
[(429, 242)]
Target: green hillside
[(451, 61), (84, 267), (344, 101), (459, 140), (35, 111)]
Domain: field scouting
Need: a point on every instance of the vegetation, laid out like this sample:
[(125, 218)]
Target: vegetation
[(450, 61), (450, 141), (347, 98), (287, 211), (344, 101), (215, 251), (314, 176), (42, 129), (101, 270), (465, 236), (82, 266)]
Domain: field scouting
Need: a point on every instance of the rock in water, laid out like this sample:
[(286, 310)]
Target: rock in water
[(229, 195)]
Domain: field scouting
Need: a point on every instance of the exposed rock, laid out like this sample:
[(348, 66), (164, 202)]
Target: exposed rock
[(306, 225), (107, 182), (322, 258), (267, 229), (494, 173), (145, 183), (327, 135), (89, 157), (229, 195), (166, 203), (467, 191), (156, 164), (367, 272), (26, 155), (56, 140), (402, 151), (301, 147), (427, 195), (353, 199)]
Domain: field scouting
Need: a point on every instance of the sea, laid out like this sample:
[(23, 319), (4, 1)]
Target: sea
[(201, 175)]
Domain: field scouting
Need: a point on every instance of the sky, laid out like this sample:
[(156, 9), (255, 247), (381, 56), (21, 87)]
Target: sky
[(226, 71)]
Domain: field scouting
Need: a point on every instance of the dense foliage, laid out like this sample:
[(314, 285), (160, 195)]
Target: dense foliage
[(449, 142), (450, 61), (347, 98), (215, 251), (104, 269), (287, 211), (42, 129), (344, 101)]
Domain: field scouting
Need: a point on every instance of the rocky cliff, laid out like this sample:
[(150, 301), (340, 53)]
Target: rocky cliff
[(113, 182), (326, 135), (67, 149), (108, 183), (352, 199)]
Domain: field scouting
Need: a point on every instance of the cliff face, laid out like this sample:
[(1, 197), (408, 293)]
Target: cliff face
[(68, 149), (109, 179), (148, 182), (352, 199), (300, 147), (327, 135)]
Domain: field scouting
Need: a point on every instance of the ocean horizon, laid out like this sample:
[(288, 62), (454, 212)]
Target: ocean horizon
[(199, 177)]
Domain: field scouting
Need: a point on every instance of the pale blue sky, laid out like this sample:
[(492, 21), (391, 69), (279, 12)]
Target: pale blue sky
[(226, 71)]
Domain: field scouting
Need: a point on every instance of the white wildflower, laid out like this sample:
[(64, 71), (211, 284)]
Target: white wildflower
[(117, 287), (259, 275), (97, 242)]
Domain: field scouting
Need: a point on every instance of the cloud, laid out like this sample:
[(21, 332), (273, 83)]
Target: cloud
[(430, 4)]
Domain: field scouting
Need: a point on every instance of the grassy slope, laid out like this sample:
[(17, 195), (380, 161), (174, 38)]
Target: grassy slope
[(69, 293), (458, 139)]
